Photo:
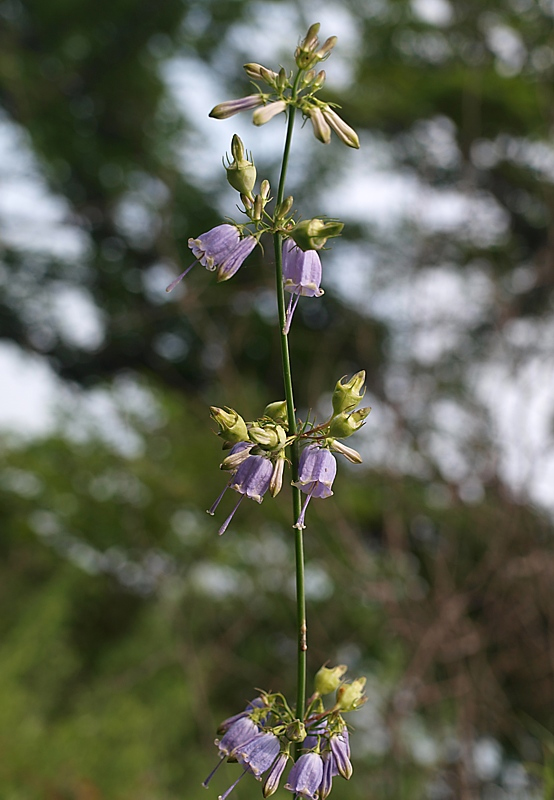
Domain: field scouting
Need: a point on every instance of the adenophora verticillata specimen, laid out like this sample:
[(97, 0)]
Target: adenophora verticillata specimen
[(305, 776), (301, 276), (316, 473), (271, 730)]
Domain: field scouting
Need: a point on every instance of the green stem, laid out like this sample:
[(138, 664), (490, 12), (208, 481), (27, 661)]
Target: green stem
[(291, 414)]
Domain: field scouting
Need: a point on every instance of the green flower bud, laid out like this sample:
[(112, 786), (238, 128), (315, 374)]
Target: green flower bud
[(241, 173), (284, 208), (351, 695), (347, 395), (258, 207), (319, 80), (346, 423), (296, 731), (328, 680), (270, 437), (311, 234), (277, 411), (265, 189), (232, 427)]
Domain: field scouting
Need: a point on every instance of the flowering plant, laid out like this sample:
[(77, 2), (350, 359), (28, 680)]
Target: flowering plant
[(270, 732)]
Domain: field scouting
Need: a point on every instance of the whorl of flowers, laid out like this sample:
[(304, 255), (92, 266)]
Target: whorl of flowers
[(261, 738)]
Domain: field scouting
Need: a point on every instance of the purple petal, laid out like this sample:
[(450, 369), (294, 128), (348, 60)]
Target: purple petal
[(306, 775), (213, 247), (259, 754), (301, 270), (253, 477), (235, 258), (242, 731)]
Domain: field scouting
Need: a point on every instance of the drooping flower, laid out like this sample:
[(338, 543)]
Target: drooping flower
[(210, 248), (301, 276), (305, 776), (316, 473), (231, 107), (252, 479), (239, 733), (340, 749), (220, 248)]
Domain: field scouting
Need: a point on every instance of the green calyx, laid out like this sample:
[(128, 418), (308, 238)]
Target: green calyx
[(241, 172), (312, 234)]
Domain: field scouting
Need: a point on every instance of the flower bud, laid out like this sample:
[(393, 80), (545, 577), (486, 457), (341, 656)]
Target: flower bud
[(346, 134), (326, 48), (258, 207), (284, 208), (311, 234), (328, 680), (346, 423), (322, 131), (310, 41), (247, 202), (265, 189), (348, 452), (271, 783), (346, 396), (277, 411), (257, 72), (282, 79), (304, 54), (270, 437), (276, 482), (264, 114), (319, 80), (232, 107), (232, 427), (351, 695), (296, 731), (308, 77), (241, 173)]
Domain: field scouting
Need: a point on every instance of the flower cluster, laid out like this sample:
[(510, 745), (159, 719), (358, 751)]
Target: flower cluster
[(260, 738), (256, 458), (300, 92)]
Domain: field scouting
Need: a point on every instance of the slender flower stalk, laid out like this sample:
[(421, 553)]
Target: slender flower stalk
[(302, 645)]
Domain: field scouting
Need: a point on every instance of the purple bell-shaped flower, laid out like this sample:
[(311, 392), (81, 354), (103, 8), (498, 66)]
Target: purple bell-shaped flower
[(305, 777), (220, 248), (252, 479), (301, 276), (316, 473)]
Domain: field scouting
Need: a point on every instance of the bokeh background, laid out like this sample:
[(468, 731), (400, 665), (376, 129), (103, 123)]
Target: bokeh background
[(128, 628)]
